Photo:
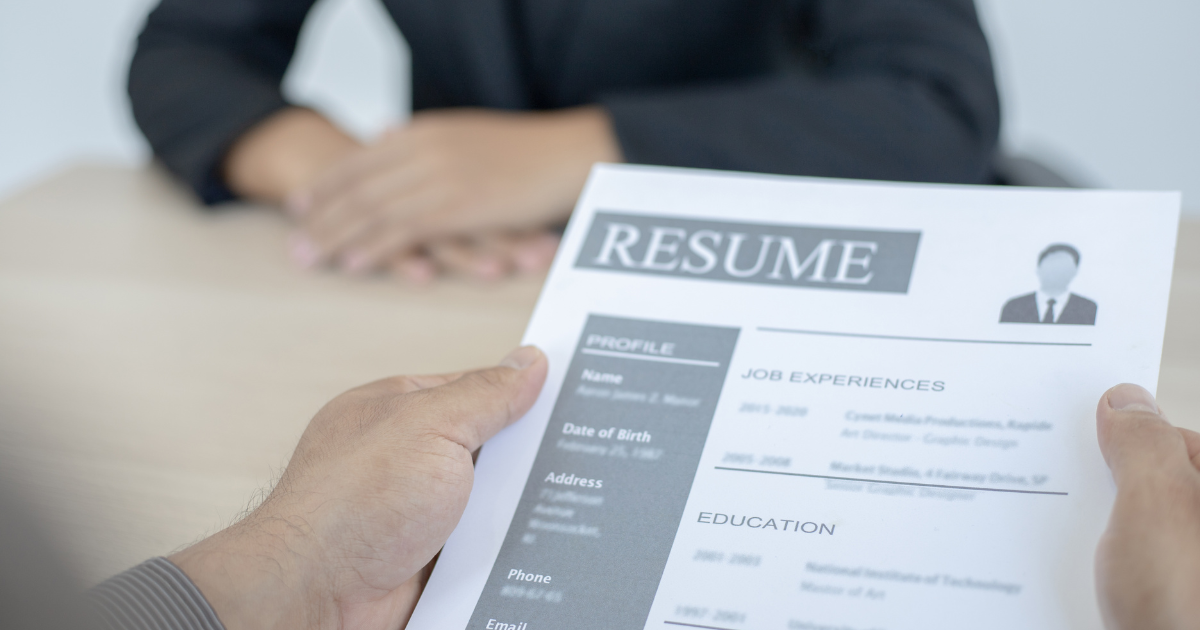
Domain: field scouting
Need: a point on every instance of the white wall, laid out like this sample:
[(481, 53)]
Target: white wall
[(1107, 89), (352, 64), (61, 84), (1104, 90), (63, 66)]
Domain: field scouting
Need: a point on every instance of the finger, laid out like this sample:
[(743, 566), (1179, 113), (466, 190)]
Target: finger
[(1136, 440), (384, 184), (399, 385), (534, 251), (348, 172), (309, 249), (1191, 439), (342, 175), (461, 257), (414, 266), (495, 254), (397, 229), (303, 251), (369, 215), (375, 247), (473, 408)]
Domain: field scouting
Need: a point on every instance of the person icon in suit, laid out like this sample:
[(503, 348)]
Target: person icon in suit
[(1052, 304)]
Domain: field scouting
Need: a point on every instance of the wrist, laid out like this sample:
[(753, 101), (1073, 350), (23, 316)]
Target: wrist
[(284, 153), (261, 573)]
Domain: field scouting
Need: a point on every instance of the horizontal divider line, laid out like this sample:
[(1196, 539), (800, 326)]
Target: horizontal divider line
[(937, 339), (694, 625), (891, 482), (646, 357)]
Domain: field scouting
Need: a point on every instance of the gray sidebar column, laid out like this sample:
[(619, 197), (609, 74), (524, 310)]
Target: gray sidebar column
[(590, 538)]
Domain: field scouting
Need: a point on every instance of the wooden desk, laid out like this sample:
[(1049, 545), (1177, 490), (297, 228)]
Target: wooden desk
[(158, 363)]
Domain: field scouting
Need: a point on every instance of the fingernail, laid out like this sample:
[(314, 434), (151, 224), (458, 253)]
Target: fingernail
[(489, 269), (1129, 397), (304, 251), (355, 262), (521, 358), (528, 261), (419, 272)]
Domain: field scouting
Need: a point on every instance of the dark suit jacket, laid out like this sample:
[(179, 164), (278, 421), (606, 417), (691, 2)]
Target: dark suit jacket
[(1023, 309), (880, 89)]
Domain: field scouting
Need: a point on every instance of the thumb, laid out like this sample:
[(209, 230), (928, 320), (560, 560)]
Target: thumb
[(471, 409), (1135, 438)]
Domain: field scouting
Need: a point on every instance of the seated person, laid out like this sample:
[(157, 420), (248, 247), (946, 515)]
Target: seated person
[(514, 101), (382, 475)]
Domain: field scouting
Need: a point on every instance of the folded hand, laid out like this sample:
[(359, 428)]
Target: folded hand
[(446, 178)]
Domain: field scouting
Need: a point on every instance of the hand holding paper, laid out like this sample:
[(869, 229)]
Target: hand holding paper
[(797, 404), (1148, 567), (375, 486), (1148, 563), (770, 403)]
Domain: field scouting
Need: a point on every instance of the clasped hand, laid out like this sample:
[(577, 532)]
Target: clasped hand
[(469, 191)]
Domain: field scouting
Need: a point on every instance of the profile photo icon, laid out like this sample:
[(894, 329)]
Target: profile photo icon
[(1052, 303)]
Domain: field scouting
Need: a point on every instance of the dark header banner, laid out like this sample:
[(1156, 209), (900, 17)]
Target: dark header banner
[(757, 253)]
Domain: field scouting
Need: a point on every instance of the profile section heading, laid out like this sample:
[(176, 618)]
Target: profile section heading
[(758, 253)]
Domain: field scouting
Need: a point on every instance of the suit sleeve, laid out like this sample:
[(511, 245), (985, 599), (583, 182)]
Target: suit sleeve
[(204, 72), (898, 90)]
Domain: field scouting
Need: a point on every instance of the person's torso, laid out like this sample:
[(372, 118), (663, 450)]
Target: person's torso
[(523, 54)]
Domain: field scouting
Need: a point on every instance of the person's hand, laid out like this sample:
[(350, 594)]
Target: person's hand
[(290, 154), (1148, 562), (285, 152), (379, 480), (487, 257), (448, 174)]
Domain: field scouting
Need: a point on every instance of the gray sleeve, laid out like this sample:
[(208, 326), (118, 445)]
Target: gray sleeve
[(155, 595)]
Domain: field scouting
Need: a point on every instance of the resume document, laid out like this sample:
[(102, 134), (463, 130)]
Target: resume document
[(797, 404)]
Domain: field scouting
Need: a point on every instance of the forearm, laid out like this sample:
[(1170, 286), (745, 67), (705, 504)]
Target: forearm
[(259, 574), (247, 576), (283, 154)]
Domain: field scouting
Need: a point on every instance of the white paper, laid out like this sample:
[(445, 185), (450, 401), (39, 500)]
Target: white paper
[(860, 445)]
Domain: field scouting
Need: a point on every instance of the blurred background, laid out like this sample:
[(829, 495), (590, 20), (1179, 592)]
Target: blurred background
[(1104, 91)]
